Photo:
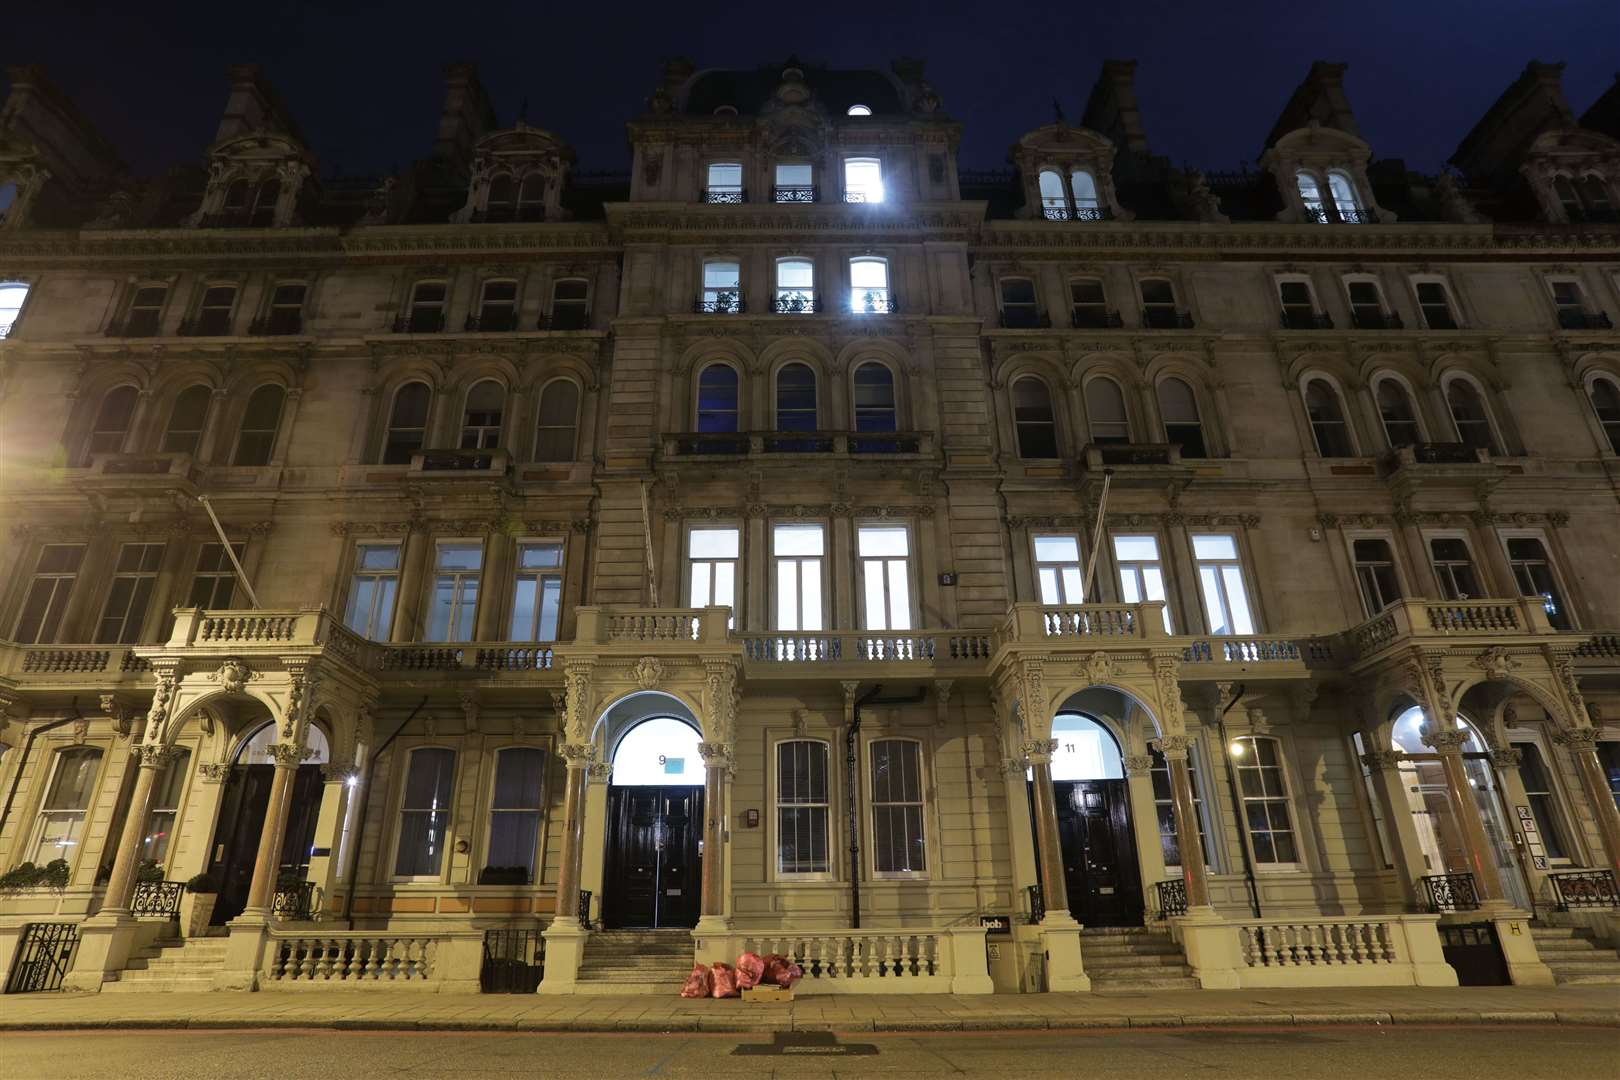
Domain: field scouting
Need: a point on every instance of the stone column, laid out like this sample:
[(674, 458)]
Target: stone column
[(1481, 860), (1406, 853), (578, 758), (121, 884), (1054, 886), (1193, 874), (716, 768), (326, 871), (261, 893), (1582, 746)]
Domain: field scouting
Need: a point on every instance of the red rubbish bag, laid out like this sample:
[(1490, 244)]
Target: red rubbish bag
[(697, 983), (749, 970), (725, 981), (777, 972), (789, 974)]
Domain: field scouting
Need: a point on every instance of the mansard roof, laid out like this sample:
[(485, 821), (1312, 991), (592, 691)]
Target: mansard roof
[(754, 92)]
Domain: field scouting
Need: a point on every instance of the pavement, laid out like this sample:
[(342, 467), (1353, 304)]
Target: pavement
[(381, 1009)]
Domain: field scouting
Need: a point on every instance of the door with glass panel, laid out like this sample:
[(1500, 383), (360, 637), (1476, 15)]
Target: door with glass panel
[(652, 875)]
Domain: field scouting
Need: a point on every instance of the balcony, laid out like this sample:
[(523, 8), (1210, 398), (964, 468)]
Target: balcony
[(140, 324), (1166, 318), (1082, 213), (1376, 320), (1322, 216), (820, 443), (1406, 620), (452, 463), (1572, 319), (796, 193), (873, 302), (426, 321), (1305, 320), (1025, 318), (725, 196), (797, 303), (278, 323), (1089, 318), (725, 303)]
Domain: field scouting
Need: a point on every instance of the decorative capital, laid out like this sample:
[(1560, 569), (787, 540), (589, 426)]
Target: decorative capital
[(1038, 751), (1174, 747), (1138, 764), (577, 755), (1506, 757), (1382, 759), (715, 754), (1445, 742), (289, 755), (215, 772), (334, 774), (1581, 740), (154, 755), (600, 772)]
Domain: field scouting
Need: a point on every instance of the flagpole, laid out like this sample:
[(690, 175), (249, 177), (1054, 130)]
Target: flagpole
[(230, 552), (646, 529), (1097, 535)]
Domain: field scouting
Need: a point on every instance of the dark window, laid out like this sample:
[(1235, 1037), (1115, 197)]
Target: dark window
[(1165, 806), (1105, 412), (1366, 304), (481, 420), (1468, 412), (287, 309), (796, 398), (186, 419), (111, 428), (1608, 752), (130, 594), (1089, 304), (407, 424), (559, 417), (1437, 314), (1159, 304), (257, 439), (1375, 574), (1400, 419), (1298, 305), (1532, 571), (717, 398), (1018, 307), (874, 398), (1538, 789), (47, 597), (502, 200), (264, 204), (1182, 425), (1454, 568), (427, 308), (498, 308), (213, 586), (570, 305), (1606, 404), (1032, 414), (236, 196), (214, 313), (1327, 420), (143, 319)]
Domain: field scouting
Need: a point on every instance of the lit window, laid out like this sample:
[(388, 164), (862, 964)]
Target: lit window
[(798, 551), (1310, 195), (1468, 413), (712, 568), (557, 432), (183, 434), (874, 398), (1533, 573), (1105, 411), (795, 286), (455, 590), (884, 552), (1375, 574), (48, 591), (794, 183), (12, 296), (1345, 199), (1033, 418), (481, 418), (1054, 203), (427, 308), (1178, 407), (1435, 304), (1454, 567), (1264, 791), (213, 585), (1220, 578), (725, 183), (1608, 752), (717, 398), (869, 286), (1396, 410), (1058, 571), (1605, 395), (165, 806), (514, 816), (372, 591), (260, 420), (795, 398), (1087, 207), (407, 424), (60, 829), (898, 842), (1141, 574), (497, 306), (802, 807), (1019, 309), (131, 592), (424, 813), (537, 592), (860, 110), (1327, 420), (570, 305), (214, 312), (722, 287), (863, 180)]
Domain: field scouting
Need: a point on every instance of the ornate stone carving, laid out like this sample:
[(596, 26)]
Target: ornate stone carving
[(1098, 668), (162, 696), (1138, 764), (715, 754), (1506, 757), (1581, 740), (1038, 751), (721, 693), (649, 672), (1445, 742), (1032, 695), (599, 772), (214, 772), (1174, 747), (153, 755), (470, 710), (576, 755), (289, 755), (1382, 759), (333, 774), (1496, 662), (118, 712)]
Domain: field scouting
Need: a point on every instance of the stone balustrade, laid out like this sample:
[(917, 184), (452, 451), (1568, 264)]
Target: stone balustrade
[(432, 961), (903, 961), (1316, 950), (1416, 618)]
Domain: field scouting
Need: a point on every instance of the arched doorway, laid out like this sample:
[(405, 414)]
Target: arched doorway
[(653, 874), (1439, 833), (1089, 791), (242, 808)]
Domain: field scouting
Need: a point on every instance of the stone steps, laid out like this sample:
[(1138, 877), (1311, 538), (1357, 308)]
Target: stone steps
[(1576, 957), (1128, 960), (653, 960), (170, 966)]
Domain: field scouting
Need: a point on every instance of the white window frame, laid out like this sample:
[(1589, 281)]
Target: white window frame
[(884, 296), (924, 805), (441, 305), (773, 767), (400, 810), (1135, 569), (160, 309), (864, 195), (736, 189), (377, 577), (712, 566), (572, 426), (537, 857), (513, 306), (784, 296), (712, 293), (1298, 864), (1060, 578), (1414, 280), (459, 583), (1388, 540), (485, 436), (1124, 401), (795, 564), (10, 316), (1224, 598), (389, 427), (1539, 535), (37, 833), (908, 568), (540, 576), (1399, 380), (1473, 562)]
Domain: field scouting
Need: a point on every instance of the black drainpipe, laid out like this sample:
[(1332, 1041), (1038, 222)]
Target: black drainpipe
[(1237, 805), (28, 744), (852, 789), (360, 823)]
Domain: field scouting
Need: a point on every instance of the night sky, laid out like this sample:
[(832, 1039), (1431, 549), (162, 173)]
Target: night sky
[(365, 82)]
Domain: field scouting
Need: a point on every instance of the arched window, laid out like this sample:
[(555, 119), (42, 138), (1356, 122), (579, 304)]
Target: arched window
[(407, 423), (869, 286), (1395, 409), (860, 110), (59, 833), (1605, 394), (1596, 195), (257, 439), (1310, 195), (264, 203), (796, 398), (1032, 416), (874, 398), (110, 431), (717, 398), (1105, 411), (1179, 407), (556, 437), (1564, 188), (795, 286), (571, 304), (1054, 204), (803, 805), (481, 419), (236, 197), (1345, 200), (1087, 207), (1326, 412), (1468, 413), (532, 198), (502, 195), (1086, 749), (184, 432), (660, 750)]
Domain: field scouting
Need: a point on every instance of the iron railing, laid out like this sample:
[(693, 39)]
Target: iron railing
[(498, 322), (44, 955), (1172, 897), (1166, 318), (1303, 320), (294, 901), (1451, 892), (1091, 318), (735, 197), (514, 961), (1376, 320), (719, 305), (1339, 215), (278, 323), (420, 323), (1037, 904), (1082, 213), (796, 193), (1024, 318), (1585, 889), (575, 318), (156, 898), (1568, 319), (875, 303), (585, 910), (796, 303)]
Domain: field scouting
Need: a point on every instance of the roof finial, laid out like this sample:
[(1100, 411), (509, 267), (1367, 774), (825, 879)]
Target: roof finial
[(1057, 109)]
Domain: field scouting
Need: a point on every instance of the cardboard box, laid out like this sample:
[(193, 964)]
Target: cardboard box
[(767, 994)]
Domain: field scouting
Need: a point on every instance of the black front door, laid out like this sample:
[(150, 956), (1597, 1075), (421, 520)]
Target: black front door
[(654, 871), (241, 820), (1099, 854)]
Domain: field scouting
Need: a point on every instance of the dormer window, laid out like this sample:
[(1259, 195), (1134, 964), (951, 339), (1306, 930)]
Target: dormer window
[(502, 199), (1054, 203), (1086, 205), (1584, 199), (1078, 202), (863, 180), (860, 110), (1331, 198), (725, 183), (12, 295)]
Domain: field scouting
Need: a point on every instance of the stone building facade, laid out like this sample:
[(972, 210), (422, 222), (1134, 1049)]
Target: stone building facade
[(805, 543)]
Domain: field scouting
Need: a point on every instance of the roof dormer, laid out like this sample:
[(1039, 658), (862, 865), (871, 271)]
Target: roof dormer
[(53, 162), (1067, 174), (259, 170), (517, 175), (1317, 155)]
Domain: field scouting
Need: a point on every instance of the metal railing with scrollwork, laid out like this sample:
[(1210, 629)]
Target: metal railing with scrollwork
[(1585, 889), (156, 898), (1172, 897), (585, 910), (796, 303), (1451, 892), (294, 901), (735, 197), (722, 304), (795, 193)]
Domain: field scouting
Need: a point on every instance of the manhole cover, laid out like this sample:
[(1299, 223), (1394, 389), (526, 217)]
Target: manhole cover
[(805, 1044)]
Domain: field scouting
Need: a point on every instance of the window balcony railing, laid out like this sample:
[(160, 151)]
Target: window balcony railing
[(796, 193), (873, 302), (494, 322), (760, 443), (1585, 889), (1303, 320), (277, 323), (567, 319), (723, 304), (134, 326), (1376, 320), (861, 197), (1591, 214), (1451, 892), (1025, 318), (495, 215), (458, 461), (1166, 318), (1138, 455), (1079, 213), (796, 304), (1571, 319), (206, 326), (1322, 216), (725, 196), (1095, 319), (420, 322)]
